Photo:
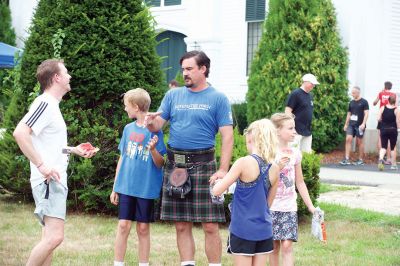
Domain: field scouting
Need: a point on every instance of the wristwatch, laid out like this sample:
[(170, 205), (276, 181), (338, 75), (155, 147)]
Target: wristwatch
[(67, 150)]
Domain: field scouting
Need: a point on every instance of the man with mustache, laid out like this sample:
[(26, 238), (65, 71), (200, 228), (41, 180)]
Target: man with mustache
[(197, 112)]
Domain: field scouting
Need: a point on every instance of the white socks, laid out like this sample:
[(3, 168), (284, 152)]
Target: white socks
[(214, 264), (143, 264), (188, 262)]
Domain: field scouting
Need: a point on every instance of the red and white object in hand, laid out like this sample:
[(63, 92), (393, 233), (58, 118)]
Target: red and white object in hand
[(87, 147)]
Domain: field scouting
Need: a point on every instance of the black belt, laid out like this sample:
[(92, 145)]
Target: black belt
[(185, 157)]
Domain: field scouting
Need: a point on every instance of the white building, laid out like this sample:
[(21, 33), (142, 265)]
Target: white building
[(229, 31)]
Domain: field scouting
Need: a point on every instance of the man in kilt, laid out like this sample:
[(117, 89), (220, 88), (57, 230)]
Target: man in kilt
[(197, 112)]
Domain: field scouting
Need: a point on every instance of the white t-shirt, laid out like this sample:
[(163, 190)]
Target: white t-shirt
[(49, 136), (286, 196)]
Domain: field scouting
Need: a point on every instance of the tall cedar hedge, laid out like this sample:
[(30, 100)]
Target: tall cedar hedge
[(301, 36), (7, 33), (109, 48)]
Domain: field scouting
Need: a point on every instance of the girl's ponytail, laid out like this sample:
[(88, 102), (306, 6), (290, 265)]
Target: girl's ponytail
[(265, 139)]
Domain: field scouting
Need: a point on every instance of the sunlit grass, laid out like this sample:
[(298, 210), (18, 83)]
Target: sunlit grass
[(355, 237), (324, 187)]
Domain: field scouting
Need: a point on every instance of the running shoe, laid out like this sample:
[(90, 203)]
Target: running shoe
[(359, 162), (394, 167), (345, 162), (381, 166)]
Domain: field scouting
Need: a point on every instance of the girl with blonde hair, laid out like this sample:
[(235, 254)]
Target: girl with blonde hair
[(284, 206), (256, 177)]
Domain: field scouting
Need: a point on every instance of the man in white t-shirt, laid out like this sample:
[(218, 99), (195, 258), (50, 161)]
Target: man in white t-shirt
[(42, 137)]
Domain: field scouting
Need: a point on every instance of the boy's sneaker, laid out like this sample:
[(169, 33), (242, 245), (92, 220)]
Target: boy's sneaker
[(380, 165), (359, 162), (345, 162), (394, 167), (387, 162)]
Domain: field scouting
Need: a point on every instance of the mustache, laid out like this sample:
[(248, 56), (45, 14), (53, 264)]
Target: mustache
[(186, 77)]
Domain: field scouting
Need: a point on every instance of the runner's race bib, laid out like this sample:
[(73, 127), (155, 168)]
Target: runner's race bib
[(354, 117)]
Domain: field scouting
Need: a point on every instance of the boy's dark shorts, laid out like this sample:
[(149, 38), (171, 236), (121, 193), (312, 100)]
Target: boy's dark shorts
[(243, 247), (135, 209)]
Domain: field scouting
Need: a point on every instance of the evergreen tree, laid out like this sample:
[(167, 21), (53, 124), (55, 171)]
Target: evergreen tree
[(301, 36), (7, 34), (109, 48)]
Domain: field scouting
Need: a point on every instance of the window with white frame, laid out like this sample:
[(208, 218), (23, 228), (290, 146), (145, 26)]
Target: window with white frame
[(254, 32), (255, 15)]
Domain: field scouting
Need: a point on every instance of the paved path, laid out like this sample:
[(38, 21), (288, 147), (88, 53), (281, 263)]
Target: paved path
[(369, 198), (360, 177), (379, 191), (363, 168)]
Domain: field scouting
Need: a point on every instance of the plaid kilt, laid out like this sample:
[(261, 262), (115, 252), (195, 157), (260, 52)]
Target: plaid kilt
[(197, 206)]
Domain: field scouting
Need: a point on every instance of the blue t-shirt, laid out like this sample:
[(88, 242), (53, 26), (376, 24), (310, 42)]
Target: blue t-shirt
[(195, 117), (138, 176)]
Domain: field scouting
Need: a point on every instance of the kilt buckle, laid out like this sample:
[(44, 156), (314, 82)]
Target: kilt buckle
[(179, 158)]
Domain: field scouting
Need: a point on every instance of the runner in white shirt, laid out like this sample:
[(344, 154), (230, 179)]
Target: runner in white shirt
[(42, 137)]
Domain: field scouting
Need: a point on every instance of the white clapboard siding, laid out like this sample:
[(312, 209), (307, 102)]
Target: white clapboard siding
[(393, 53)]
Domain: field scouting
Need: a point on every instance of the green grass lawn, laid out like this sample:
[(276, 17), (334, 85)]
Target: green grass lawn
[(324, 187), (355, 237)]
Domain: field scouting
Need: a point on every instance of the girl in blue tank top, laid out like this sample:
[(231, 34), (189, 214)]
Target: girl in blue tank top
[(256, 178)]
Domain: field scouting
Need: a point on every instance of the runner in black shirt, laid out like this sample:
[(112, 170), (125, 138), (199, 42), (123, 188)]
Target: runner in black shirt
[(354, 126)]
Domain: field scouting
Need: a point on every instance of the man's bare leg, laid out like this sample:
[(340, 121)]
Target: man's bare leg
[(50, 257), (360, 143), (349, 140), (213, 244), (51, 239), (185, 240)]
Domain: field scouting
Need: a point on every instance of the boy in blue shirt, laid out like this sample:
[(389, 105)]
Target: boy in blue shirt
[(138, 177)]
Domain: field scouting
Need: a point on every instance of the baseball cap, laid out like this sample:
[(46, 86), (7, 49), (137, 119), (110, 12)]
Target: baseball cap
[(310, 78)]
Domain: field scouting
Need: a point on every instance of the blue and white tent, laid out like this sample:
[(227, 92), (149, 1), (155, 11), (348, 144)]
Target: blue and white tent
[(7, 53)]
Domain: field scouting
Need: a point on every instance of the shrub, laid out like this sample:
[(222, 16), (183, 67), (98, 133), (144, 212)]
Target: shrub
[(3, 96), (109, 47), (239, 116), (301, 37), (310, 165), (14, 165), (239, 146), (7, 33)]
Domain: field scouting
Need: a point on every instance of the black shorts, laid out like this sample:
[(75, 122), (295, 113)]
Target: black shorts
[(354, 131), (135, 209), (243, 247)]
